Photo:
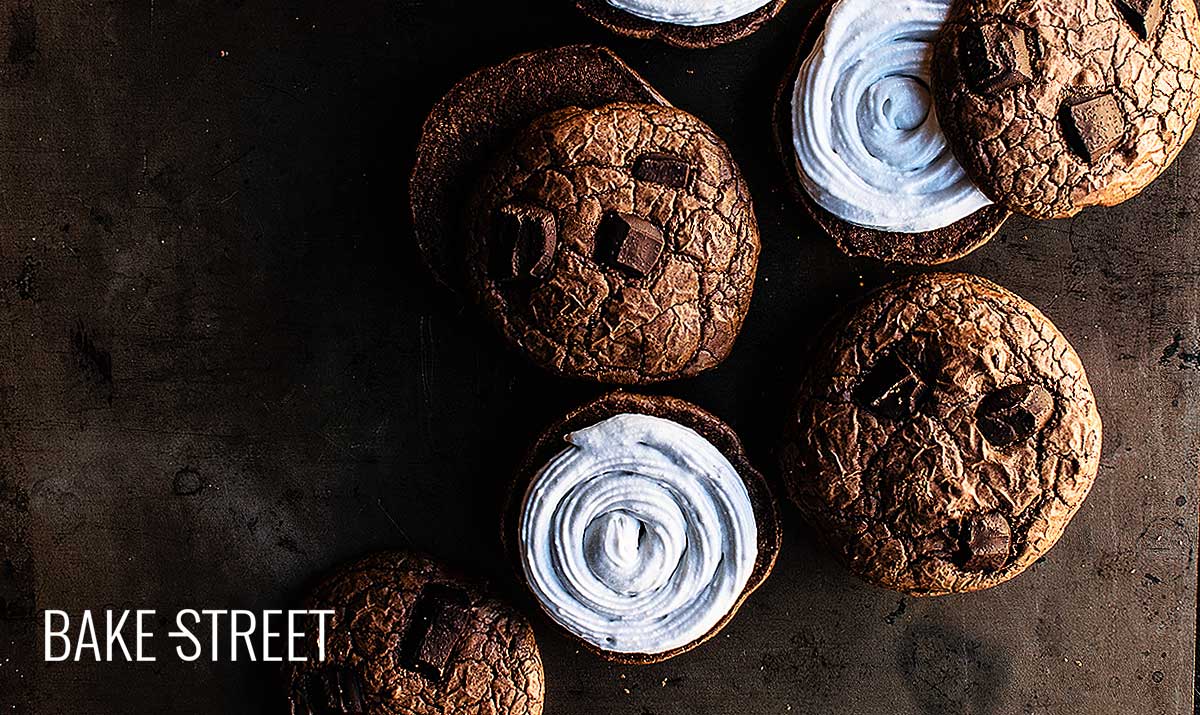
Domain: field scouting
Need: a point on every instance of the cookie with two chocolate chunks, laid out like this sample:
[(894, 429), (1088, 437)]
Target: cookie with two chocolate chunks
[(686, 36), (1096, 105), (925, 248), (971, 481), (408, 637), (656, 244)]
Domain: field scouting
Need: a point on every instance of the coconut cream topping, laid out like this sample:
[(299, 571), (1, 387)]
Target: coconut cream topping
[(868, 145), (638, 537), (689, 12)]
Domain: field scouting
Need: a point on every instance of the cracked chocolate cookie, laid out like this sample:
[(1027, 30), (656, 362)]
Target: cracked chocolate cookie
[(407, 637), (616, 243), (640, 526), (1056, 105), (945, 436), (478, 118), (682, 23), (860, 142), (608, 235)]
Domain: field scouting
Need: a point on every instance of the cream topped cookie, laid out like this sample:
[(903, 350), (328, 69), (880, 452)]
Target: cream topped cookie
[(689, 12), (867, 143), (682, 23), (640, 526), (638, 537)]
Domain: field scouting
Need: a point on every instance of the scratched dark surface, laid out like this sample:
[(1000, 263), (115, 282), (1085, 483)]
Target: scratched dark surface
[(224, 371)]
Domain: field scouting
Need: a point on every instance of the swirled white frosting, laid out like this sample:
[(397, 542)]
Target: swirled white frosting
[(689, 12), (639, 537), (868, 145)]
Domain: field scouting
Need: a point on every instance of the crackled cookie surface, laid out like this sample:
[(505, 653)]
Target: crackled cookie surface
[(1056, 105), (406, 637), (945, 436), (617, 244)]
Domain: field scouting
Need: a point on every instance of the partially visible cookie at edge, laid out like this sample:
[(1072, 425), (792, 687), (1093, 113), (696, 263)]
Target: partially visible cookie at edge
[(617, 244), (693, 36), (407, 636), (931, 247), (1056, 105), (945, 436)]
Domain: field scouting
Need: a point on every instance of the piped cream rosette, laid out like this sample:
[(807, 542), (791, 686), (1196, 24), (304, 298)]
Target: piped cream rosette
[(639, 537), (867, 141)]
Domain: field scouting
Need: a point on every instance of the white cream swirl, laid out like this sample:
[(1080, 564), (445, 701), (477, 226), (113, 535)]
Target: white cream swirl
[(868, 145), (689, 12), (639, 537)]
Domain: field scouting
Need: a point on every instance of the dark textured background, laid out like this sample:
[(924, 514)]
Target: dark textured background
[(224, 371)]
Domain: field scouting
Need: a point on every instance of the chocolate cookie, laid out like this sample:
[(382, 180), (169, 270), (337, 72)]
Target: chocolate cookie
[(407, 637), (1056, 105), (616, 243), (925, 247), (718, 29), (945, 436), (640, 526), (478, 118)]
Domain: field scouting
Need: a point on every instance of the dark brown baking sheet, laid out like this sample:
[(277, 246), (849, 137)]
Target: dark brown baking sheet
[(224, 371)]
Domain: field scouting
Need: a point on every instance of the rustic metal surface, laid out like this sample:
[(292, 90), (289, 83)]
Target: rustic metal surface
[(224, 371)]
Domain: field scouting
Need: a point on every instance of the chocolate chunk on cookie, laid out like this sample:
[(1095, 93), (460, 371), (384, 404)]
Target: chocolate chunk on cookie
[(986, 542), (1014, 413), (995, 56), (525, 241), (661, 168), (630, 242), (407, 636), (1093, 127), (1144, 16), (972, 483), (656, 244), (1111, 95), (694, 34)]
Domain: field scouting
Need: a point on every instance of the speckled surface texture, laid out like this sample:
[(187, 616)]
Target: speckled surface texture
[(588, 315), (226, 372), (1013, 141), (899, 455)]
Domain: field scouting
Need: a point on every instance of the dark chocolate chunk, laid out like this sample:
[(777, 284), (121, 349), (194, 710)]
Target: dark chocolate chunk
[(995, 56), (1014, 413), (984, 543), (334, 690), (892, 388), (1143, 15), (664, 169), (632, 243), (1094, 126), (526, 239), (439, 619)]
